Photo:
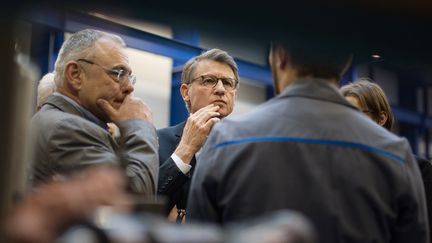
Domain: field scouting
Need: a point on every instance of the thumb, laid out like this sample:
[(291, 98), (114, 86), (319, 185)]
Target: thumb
[(106, 106)]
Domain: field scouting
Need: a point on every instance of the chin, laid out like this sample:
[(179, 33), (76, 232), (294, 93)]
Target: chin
[(224, 114), (116, 105)]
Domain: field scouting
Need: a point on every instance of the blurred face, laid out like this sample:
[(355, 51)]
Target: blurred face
[(381, 118), (354, 101), (98, 83), (199, 96)]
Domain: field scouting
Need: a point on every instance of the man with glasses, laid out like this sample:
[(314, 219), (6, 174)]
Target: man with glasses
[(209, 84), (94, 86)]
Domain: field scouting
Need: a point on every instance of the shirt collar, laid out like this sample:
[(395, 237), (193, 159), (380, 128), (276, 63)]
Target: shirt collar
[(315, 89)]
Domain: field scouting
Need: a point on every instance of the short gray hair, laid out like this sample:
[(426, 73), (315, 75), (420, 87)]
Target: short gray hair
[(213, 55), (78, 46), (45, 88)]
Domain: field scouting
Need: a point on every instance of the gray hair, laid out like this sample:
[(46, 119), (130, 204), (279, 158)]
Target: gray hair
[(213, 55), (78, 46), (45, 88)]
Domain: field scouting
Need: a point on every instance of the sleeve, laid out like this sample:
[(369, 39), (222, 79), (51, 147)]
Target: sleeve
[(426, 171), (185, 168), (202, 201), (75, 145), (412, 223), (139, 155), (171, 178)]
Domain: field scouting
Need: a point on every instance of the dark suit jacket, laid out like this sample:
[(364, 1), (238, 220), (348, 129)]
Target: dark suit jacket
[(426, 171), (172, 182)]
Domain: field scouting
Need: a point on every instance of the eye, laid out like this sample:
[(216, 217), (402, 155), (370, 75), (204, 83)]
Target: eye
[(228, 82), (208, 81), (120, 74)]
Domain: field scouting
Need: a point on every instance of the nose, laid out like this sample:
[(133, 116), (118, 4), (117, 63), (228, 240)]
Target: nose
[(127, 87), (219, 89)]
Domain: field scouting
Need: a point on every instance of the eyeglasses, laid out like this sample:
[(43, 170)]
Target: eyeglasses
[(119, 75), (368, 111), (210, 81)]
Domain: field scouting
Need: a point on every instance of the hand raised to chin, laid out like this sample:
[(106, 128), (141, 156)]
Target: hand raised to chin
[(131, 108)]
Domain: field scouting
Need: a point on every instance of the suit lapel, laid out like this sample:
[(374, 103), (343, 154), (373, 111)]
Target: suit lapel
[(178, 130)]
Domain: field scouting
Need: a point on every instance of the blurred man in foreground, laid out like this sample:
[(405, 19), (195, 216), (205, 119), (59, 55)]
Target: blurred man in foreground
[(310, 151)]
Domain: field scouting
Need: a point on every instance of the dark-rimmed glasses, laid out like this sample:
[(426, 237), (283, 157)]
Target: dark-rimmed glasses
[(117, 74), (368, 111), (210, 81)]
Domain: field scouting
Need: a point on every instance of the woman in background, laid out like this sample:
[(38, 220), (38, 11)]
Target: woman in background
[(369, 98)]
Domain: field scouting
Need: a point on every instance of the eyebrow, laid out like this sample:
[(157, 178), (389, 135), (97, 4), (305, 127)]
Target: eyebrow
[(123, 67), (217, 76)]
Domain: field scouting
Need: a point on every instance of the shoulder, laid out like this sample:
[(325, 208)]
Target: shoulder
[(169, 137), (245, 124), (56, 123), (165, 132), (172, 132)]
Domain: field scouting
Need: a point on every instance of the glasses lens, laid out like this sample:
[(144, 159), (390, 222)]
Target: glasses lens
[(228, 83), (132, 79), (209, 81), (123, 76)]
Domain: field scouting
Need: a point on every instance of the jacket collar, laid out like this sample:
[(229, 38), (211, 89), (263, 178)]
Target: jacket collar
[(178, 129), (68, 105), (319, 89)]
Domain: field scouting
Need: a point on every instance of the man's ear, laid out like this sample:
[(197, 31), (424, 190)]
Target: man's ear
[(184, 91), (383, 116), (73, 75), (281, 57)]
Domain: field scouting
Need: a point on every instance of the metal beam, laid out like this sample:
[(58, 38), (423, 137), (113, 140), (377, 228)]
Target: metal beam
[(179, 51), (407, 116), (412, 117)]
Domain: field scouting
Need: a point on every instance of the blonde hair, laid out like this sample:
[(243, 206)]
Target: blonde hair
[(370, 96)]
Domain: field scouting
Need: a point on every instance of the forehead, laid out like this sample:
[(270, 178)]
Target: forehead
[(206, 67), (354, 101), (110, 52)]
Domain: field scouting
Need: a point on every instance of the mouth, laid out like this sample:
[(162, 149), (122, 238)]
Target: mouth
[(219, 102), (117, 103)]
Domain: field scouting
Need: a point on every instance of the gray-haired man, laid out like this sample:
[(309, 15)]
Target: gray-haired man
[(94, 86), (209, 84)]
